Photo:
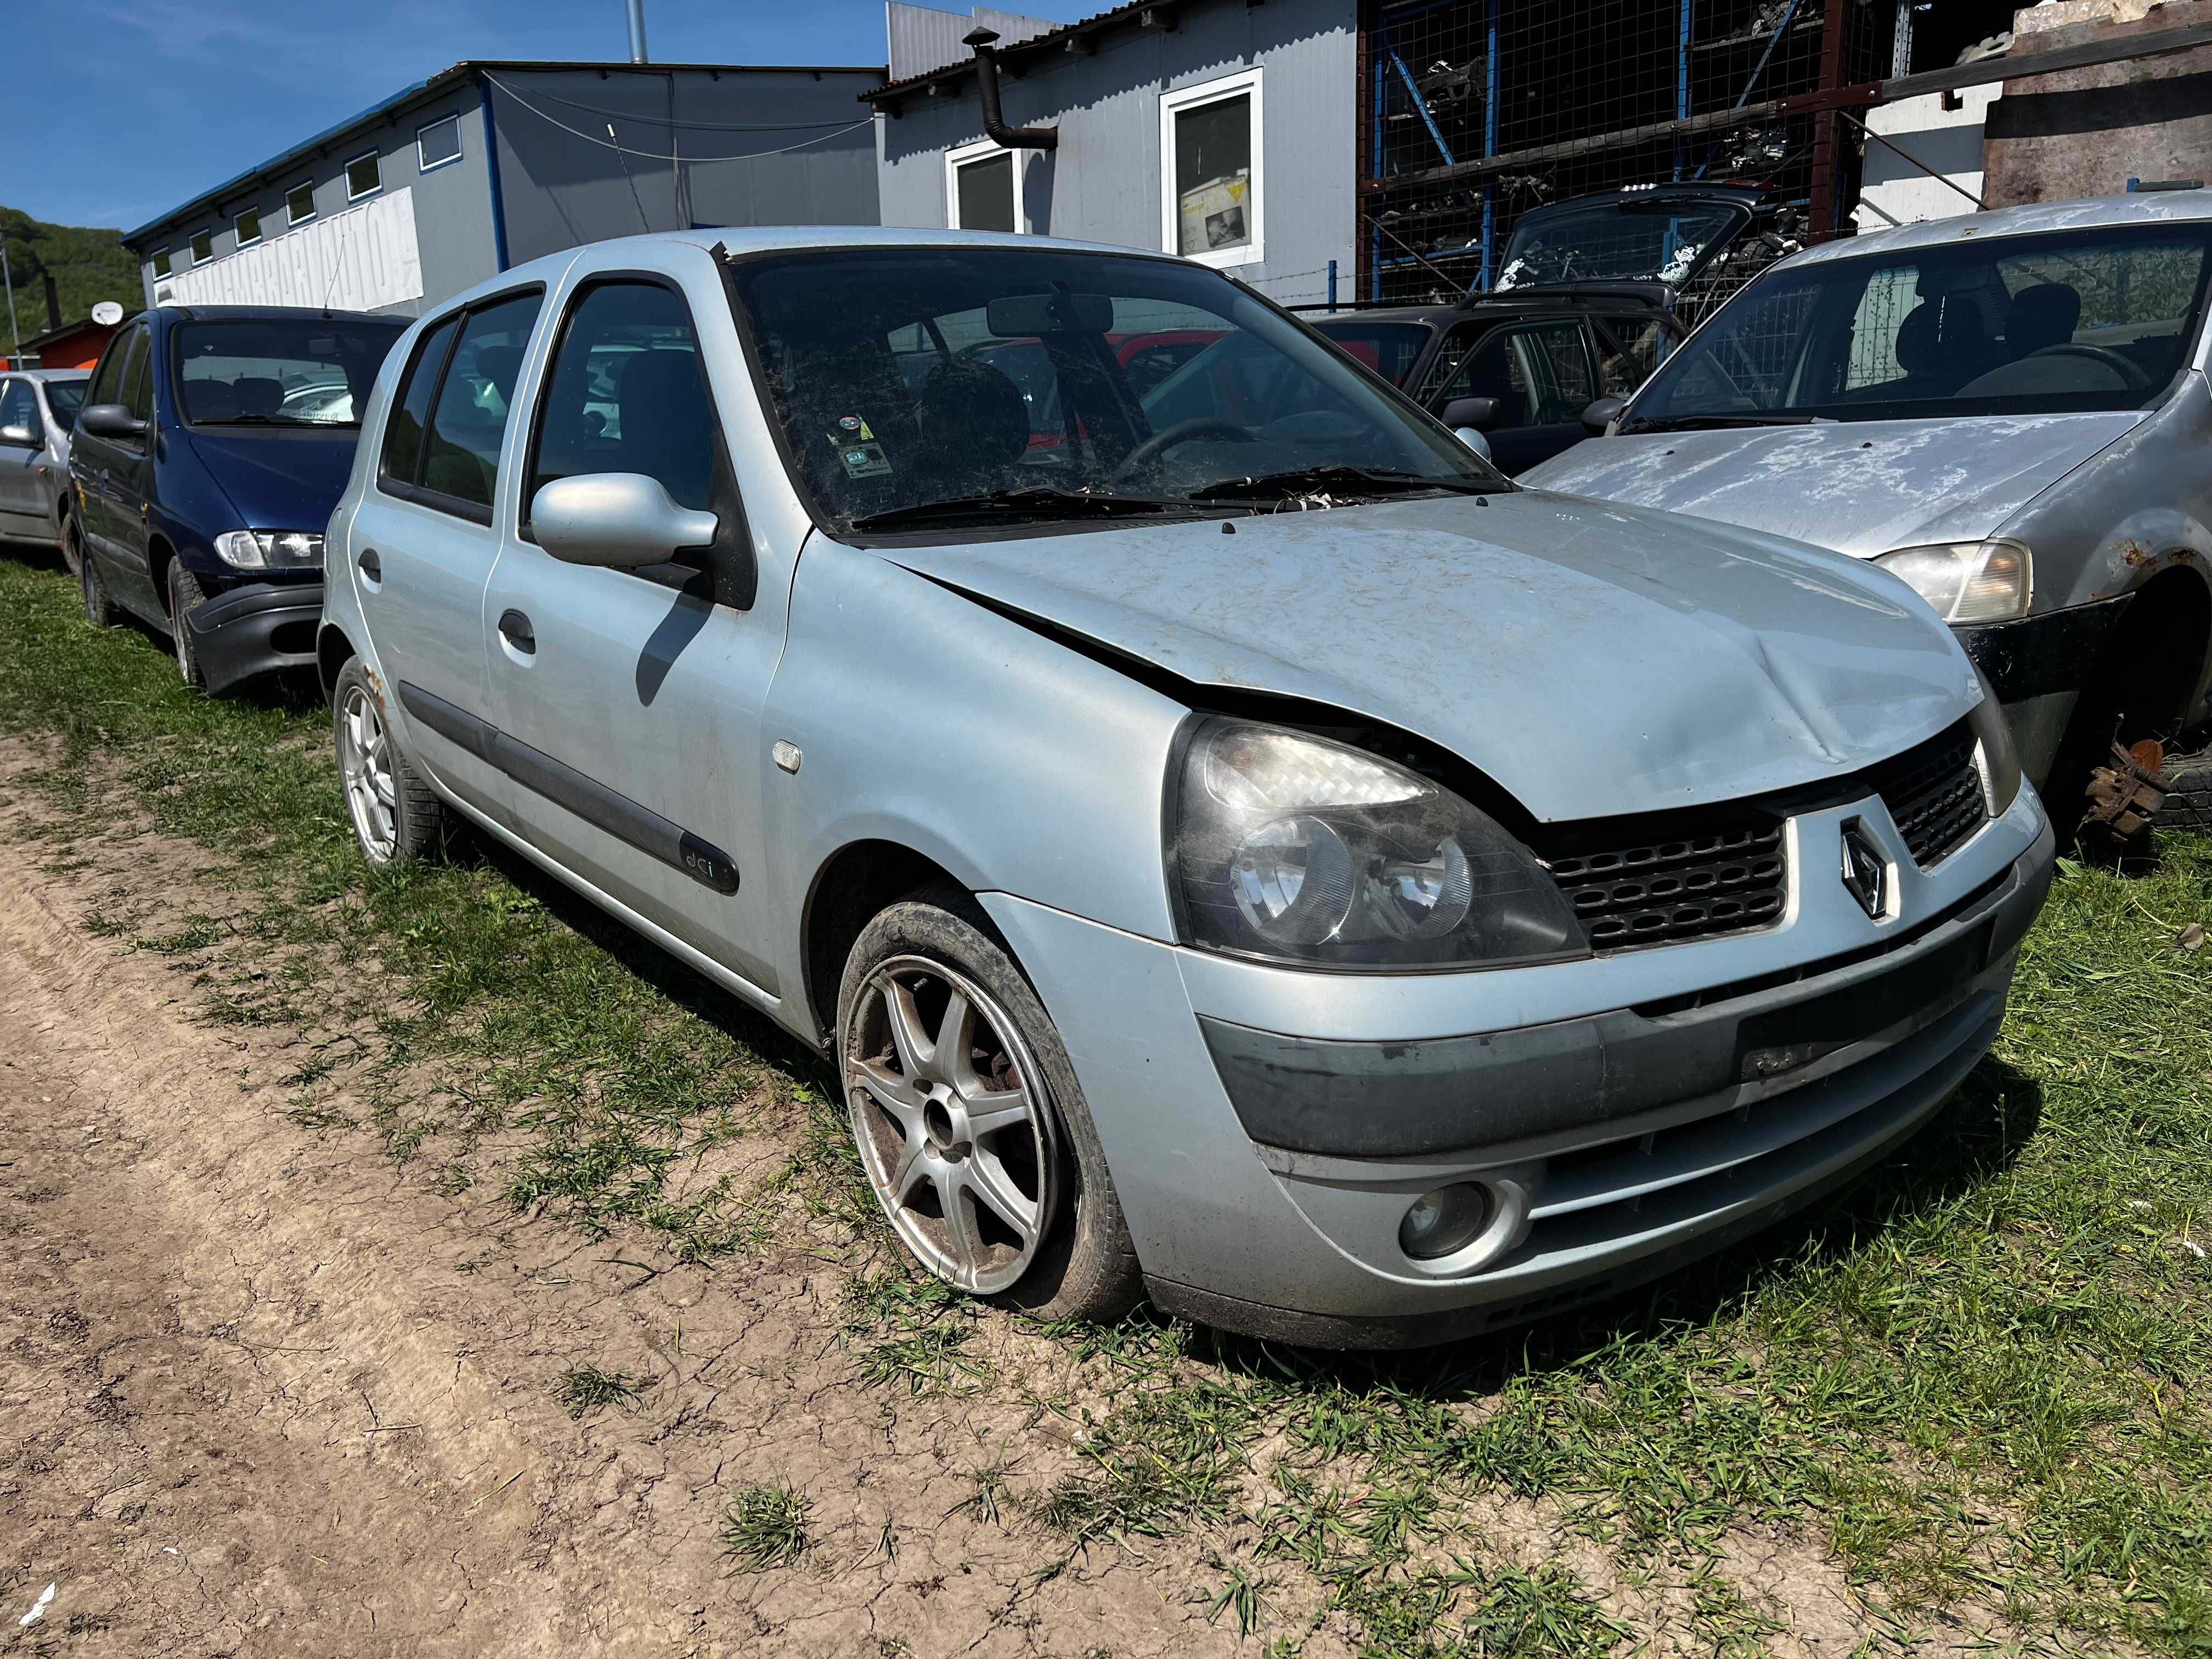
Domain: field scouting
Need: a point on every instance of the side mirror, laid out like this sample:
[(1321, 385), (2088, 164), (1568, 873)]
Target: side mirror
[(110, 421), (1480, 413), (20, 433), (619, 520), (1474, 440), (1599, 416)]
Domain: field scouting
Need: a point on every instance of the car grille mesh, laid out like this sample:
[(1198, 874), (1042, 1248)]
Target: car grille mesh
[(1934, 794), (1715, 878)]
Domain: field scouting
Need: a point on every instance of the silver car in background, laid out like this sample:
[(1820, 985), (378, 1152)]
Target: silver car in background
[(38, 412), (2009, 411), (1231, 843)]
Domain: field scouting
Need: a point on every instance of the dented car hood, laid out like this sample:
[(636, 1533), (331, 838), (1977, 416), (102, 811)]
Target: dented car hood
[(1591, 659), (1864, 488)]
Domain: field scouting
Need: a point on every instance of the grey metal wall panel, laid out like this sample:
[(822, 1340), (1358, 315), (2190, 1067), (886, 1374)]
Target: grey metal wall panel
[(764, 147), (1102, 184), (922, 38)]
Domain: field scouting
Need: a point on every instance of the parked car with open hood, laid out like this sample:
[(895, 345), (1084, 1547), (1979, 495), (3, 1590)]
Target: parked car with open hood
[(38, 410), (1261, 858), (212, 445), (2010, 411), (1593, 294)]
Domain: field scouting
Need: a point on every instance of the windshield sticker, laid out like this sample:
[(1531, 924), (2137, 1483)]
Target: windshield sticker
[(852, 426), (864, 461)]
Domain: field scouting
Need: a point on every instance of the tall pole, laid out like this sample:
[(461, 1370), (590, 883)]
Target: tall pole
[(15, 333), (637, 32), (1826, 163)]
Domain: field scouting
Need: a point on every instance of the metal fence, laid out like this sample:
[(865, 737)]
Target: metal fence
[(1475, 111)]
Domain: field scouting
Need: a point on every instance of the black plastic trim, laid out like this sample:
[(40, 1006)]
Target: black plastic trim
[(232, 633), (2040, 655), (565, 787)]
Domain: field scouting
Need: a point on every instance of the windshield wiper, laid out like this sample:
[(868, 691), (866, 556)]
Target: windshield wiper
[(1347, 480), (1036, 501), (1689, 423)]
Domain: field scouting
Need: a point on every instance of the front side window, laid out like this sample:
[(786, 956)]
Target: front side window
[(468, 422), (364, 176), (202, 246), (990, 382), (1210, 161), (1539, 374), (983, 189), (288, 372), (2097, 319), (298, 203), (248, 226), (64, 399), (438, 143), (627, 394)]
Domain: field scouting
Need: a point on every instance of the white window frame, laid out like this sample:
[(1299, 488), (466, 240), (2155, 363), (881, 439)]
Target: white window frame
[(1245, 82), (983, 150), (460, 144), (239, 236), (291, 218), (346, 173)]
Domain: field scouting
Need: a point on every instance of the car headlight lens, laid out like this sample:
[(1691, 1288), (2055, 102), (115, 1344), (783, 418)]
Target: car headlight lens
[(270, 550), (1302, 850), (1995, 757), (1968, 581)]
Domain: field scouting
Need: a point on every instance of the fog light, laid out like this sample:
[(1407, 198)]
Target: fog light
[(1445, 1221)]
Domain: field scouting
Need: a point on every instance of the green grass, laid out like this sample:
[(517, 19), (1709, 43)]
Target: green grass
[(1978, 1385), (588, 1389)]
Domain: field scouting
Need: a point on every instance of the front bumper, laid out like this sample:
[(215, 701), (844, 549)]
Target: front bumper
[(259, 628), (1649, 1107)]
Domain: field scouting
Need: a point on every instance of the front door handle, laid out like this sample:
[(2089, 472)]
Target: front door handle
[(371, 565), (515, 628)]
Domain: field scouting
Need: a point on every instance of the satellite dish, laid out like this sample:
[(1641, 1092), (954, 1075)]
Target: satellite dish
[(107, 314)]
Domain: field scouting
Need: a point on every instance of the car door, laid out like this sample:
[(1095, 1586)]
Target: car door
[(93, 460), (629, 700), (1541, 375), (22, 446), (130, 487), (421, 545)]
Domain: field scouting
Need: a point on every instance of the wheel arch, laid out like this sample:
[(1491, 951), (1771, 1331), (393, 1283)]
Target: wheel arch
[(333, 651), (852, 886), (160, 553)]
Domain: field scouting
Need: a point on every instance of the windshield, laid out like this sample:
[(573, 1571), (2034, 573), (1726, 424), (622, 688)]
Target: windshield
[(65, 398), (1616, 242), (1037, 383), (302, 371), (2023, 325), (1389, 349)]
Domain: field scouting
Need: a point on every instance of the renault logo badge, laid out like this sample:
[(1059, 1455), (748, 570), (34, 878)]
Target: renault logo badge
[(1865, 872)]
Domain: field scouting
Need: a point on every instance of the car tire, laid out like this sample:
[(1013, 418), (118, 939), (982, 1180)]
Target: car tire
[(99, 608), (395, 814), (185, 596), (2188, 803), (72, 554), (1023, 1212)]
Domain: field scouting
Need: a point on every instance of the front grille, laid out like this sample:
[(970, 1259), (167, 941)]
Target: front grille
[(1703, 879), (1934, 792)]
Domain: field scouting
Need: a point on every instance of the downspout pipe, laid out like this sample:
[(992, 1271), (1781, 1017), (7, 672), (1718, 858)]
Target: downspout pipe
[(986, 86)]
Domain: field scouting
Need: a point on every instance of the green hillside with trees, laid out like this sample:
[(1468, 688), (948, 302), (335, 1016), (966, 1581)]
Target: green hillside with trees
[(87, 266)]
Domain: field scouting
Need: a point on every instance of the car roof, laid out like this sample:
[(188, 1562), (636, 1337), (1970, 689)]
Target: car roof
[(53, 373), (270, 313), (2091, 213), (1500, 307)]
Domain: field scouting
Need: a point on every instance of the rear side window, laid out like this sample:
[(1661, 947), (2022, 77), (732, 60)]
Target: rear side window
[(627, 394), (411, 410), (468, 421)]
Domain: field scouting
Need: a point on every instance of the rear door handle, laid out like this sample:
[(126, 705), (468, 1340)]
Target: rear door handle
[(371, 565), (515, 628)]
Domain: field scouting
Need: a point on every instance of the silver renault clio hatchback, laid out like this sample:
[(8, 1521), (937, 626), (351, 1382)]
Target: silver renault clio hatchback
[(1234, 845)]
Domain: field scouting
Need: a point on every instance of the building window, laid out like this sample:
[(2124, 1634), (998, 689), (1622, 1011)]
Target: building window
[(1211, 190), (248, 226), (983, 187), (298, 203), (160, 262), (438, 143), (364, 177), (202, 246)]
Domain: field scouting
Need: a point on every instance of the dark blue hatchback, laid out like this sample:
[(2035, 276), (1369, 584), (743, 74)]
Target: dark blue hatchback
[(213, 444)]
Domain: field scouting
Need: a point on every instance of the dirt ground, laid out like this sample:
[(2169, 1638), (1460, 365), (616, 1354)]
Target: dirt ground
[(263, 1395)]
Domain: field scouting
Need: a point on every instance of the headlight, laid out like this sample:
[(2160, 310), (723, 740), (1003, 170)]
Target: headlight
[(1306, 851), (1995, 757), (1968, 581), (270, 550)]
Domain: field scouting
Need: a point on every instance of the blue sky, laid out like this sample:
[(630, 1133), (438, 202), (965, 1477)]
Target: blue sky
[(135, 106)]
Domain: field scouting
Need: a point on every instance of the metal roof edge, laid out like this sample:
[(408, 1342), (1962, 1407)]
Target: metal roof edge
[(1026, 51)]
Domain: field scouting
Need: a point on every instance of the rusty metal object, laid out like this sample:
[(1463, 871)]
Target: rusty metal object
[(2124, 796)]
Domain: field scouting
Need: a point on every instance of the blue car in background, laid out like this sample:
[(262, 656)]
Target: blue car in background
[(213, 443)]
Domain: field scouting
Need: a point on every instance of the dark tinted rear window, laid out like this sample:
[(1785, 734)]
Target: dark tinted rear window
[(1388, 349)]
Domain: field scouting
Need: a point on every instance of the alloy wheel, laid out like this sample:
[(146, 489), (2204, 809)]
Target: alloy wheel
[(365, 769), (954, 1122)]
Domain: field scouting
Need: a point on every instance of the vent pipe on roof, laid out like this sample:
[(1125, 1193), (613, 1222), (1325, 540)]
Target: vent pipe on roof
[(987, 85), (637, 32), (53, 305)]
